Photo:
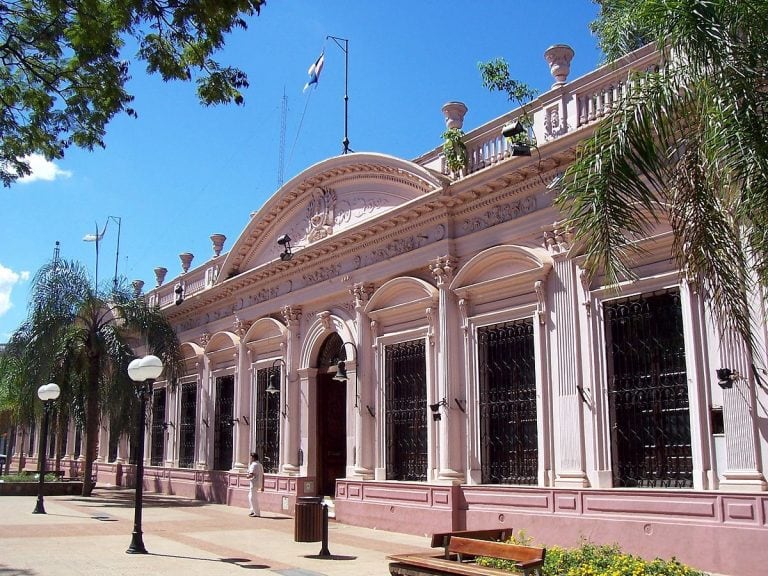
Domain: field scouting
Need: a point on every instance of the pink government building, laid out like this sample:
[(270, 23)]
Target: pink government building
[(485, 380)]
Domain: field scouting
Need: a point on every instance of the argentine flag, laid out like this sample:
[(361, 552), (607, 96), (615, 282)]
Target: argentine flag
[(314, 71)]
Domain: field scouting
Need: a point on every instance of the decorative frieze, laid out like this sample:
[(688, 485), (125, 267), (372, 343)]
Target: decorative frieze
[(322, 274), (499, 214)]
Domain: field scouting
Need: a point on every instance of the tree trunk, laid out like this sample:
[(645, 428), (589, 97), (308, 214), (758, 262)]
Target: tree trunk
[(91, 423)]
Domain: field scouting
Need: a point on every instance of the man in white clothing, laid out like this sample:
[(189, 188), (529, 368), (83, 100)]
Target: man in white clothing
[(256, 476)]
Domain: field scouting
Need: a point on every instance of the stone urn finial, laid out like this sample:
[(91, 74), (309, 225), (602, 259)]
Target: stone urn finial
[(559, 59), (160, 273), (454, 114), (137, 286), (186, 260), (218, 243)]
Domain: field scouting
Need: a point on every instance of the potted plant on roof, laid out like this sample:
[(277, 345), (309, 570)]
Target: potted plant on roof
[(454, 150), (519, 134)]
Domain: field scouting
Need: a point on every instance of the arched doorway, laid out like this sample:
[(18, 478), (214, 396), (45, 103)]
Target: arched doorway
[(331, 417)]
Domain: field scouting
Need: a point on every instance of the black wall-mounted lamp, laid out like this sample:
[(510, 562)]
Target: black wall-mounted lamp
[(726, 377), (167, 424), (285, 242), (435, 408), (341, 373), (274, 377), (371, 411)]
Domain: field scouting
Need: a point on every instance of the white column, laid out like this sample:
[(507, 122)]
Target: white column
[(71, 435), (306, 421), (171, 399), (453, 422), (102, 454), (364, 420), (204, 413), (242, 431), (295, 412)]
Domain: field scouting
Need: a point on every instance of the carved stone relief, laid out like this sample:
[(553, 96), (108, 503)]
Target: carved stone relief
[(321, 214), (500, 213)]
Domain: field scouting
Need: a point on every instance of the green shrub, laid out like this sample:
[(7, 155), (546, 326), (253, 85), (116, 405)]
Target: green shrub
[(27, 478), (595, 560)]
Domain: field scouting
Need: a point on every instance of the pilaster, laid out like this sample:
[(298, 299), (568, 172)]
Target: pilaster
[(450, 436), (565, 365)]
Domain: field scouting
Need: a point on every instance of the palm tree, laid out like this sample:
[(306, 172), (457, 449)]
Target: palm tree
[(686, 145), (84, 339)]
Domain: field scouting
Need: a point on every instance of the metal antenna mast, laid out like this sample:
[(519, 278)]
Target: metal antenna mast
[(281, 158)]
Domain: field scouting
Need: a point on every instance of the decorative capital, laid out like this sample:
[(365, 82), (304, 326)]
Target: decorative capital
[(361, 292), (442, 269), (239, 327), (291, 315), (558, 238)]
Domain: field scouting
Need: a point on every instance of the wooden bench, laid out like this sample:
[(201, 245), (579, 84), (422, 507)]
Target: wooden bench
[(443, 539), (462, 553)]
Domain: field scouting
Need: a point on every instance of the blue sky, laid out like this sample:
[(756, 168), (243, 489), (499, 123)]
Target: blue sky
[(181, 171)]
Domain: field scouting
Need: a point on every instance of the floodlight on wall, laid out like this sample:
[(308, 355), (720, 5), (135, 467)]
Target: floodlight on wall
[(341, 373), (179, 291), (513, 131), (726, 377), (285, 242)]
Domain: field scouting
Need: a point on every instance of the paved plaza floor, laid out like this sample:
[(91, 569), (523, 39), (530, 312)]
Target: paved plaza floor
[(89, 536)]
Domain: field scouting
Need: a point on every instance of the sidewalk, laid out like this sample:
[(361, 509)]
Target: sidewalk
[(89, 536)]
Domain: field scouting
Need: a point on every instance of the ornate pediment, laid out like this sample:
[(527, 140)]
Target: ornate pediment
[(329, 198)]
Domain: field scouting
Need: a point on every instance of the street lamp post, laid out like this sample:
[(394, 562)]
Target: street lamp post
[(47, 393), (144, 371)]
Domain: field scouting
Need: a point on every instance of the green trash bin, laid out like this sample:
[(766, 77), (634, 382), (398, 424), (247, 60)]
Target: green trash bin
[(308, 517)]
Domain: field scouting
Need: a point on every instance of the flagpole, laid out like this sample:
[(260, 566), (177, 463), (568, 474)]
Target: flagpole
[(345, 48)]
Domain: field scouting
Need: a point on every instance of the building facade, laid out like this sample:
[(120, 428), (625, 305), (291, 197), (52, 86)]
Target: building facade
[(426, 349)]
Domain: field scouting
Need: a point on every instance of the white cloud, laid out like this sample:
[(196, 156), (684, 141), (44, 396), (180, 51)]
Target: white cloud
[(43, 169), (8, 279)]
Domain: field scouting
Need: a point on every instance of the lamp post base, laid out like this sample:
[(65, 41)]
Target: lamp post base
[(137, 545), (39, 507)]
